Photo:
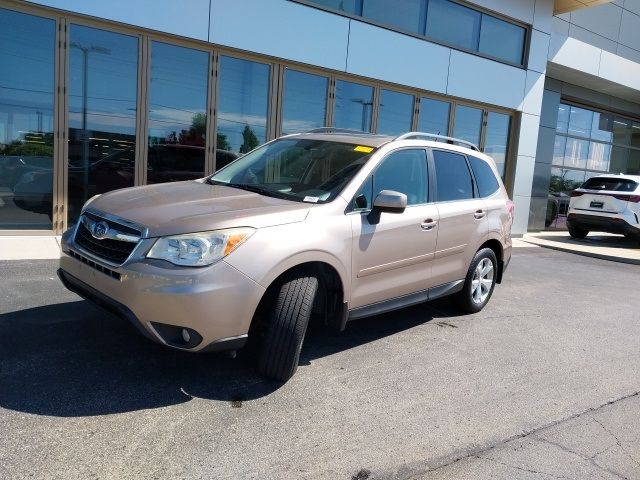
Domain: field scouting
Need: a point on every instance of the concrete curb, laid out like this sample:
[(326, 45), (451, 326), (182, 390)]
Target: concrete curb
[(619, 255)]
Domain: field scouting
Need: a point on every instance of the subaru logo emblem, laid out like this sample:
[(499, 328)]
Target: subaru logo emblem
[(99, 230)]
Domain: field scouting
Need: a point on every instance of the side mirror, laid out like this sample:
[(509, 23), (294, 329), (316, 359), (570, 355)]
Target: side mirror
[(387, 201), (390, 201)]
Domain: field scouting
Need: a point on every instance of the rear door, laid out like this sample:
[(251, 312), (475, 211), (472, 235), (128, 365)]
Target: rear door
[(463, 217)]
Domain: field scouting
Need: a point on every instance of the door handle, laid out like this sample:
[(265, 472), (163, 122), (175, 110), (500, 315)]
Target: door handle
[(479, 214), (428, 224)]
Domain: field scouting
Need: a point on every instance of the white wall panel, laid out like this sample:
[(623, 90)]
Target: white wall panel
[(485, 81), (542, 15), (620, 70), (591, 38), (163, 15), (632, 5), (534, 91), (524, 179), (538, 51), (521, 214), (393, 57), (630, 30), (601, 19), (529, 125), (572, 53), (283, 29), (629, 53)]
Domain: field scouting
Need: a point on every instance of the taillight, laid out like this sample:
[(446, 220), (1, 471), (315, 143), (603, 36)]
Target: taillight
[(575, 193), (510, 207), (628, 198)]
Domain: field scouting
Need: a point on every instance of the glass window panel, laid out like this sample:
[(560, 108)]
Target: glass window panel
[(404, 14), (103, 68), (621, 131), (453, 23), (453, 176), (599, 156), (502, 39), (353, 106), (564, 180), (496, 141), (635, 134), (563, 118), (177, 113), (243, 101), (618, 163), (580, 121), (349, 6), (434, 116), (558, 150), (633, 164), (27, 52), (305, 101), (404, 171), (396, 110), (468, 122), (576, 153), (602, 128)]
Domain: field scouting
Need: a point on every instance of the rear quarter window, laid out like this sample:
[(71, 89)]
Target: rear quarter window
[(485, 178)]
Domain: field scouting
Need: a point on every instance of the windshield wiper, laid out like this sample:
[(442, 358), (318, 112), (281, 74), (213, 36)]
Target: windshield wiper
[(255, 189)]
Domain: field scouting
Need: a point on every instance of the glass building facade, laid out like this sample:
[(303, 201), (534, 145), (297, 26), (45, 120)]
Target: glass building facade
[(87, 107)]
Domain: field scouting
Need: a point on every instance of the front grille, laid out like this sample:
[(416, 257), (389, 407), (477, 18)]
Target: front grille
[(112, 250), (92, 264)]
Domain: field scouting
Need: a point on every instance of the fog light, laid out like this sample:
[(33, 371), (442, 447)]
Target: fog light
[(185, 335)]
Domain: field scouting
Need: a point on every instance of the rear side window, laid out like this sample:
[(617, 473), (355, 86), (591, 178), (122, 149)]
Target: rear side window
[(611, 184), (453, 178), (485, 179)]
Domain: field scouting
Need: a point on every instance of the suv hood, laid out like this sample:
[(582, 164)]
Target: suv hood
[(194, 206)]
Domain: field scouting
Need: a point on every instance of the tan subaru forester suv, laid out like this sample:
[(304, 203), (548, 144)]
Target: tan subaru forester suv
[(331, 225)]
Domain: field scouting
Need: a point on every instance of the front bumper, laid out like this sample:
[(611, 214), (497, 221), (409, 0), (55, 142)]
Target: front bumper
[(601, 223), (215, 304)]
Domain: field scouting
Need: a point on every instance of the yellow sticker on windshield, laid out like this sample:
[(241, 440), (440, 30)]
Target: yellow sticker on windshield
[(360, 148)]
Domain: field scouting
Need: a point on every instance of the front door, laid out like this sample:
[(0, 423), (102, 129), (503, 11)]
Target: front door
[(392, 257)]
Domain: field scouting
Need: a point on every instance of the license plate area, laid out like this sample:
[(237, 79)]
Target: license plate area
[(596, 204)]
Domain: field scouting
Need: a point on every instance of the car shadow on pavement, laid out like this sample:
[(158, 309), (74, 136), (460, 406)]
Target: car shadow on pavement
[(71, 359)]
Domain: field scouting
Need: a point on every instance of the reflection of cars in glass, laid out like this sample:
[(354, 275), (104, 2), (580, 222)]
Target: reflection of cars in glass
[(552, 210), (606, 203), (338, 226)]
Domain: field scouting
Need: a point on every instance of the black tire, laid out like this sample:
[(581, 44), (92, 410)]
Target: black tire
[(577, 232), (286, 327), (464, 300)]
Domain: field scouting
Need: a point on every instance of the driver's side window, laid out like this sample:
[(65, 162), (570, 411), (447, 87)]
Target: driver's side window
[(403, 171)]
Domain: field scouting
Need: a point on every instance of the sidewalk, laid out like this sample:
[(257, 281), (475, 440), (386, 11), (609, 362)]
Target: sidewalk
[(615, 248), (29, 248)]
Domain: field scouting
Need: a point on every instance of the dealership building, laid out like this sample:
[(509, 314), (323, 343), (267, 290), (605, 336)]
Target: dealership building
[(99, 95)]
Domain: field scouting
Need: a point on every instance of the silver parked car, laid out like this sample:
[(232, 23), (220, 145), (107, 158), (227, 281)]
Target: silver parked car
[(331, 224)]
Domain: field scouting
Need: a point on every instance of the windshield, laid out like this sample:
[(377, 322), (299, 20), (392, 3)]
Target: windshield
[(302, 170), (611, 184)]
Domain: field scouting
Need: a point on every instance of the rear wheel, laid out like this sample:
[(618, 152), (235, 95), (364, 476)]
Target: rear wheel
[(286, 327), (479, 282), (577, 232)]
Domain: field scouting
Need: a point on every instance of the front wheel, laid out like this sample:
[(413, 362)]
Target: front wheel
[(479, 282), (287, 325)]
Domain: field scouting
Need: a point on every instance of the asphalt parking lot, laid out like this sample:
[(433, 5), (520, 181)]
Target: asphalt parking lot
[(541, 384)]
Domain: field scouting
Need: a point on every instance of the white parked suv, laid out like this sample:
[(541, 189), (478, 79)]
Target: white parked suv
[(606, 203)]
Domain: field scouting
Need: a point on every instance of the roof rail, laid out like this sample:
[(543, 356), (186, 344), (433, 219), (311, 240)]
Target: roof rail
[(337, 130), (438, 138)]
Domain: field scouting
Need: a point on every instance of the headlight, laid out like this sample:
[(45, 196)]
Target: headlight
[(199, 249)]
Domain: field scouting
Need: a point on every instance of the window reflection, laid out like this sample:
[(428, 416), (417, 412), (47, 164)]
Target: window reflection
[(396, 109), (177, 113), (353, 107), (405, 14), (502, 39), (468, 122), (27, 80), (102, 113), (599, 156), (305, 101), (580, 121), (496, 141), (242, 105), (434, 116), (453, 23)]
